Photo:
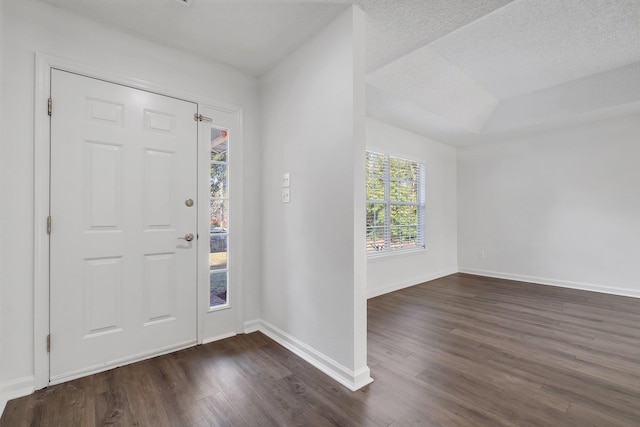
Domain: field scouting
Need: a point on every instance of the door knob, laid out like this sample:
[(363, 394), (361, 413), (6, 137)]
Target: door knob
[(188, 237)]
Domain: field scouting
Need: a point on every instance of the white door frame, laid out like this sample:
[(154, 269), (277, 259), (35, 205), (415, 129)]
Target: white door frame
[(43, 66)]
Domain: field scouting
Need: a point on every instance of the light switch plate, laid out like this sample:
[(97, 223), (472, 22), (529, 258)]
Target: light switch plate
[(286, 180), (286, 195)]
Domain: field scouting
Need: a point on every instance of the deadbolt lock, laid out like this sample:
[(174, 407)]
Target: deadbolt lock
[(188, 202)]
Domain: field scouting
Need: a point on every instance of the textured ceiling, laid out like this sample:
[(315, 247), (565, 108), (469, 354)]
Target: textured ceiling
[(534, 44), (398, 27), (547, 63), (429, 81), (460, 71)]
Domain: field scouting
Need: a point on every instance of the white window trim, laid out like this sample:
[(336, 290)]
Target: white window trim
[(398, 253), (227, 304), (420, 204)]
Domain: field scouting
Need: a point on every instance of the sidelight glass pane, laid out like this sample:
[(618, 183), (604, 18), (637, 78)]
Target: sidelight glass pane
[(218, 218), (217, 260), (218, 288), (219, 145), (218, 180), (218, 214)]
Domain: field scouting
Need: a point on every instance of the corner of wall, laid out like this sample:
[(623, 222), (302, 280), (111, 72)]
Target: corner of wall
[(353, 380), (13, 389), (362, 375), (440, 258), (556, 207), (320, 79), (590, 287), (396, 286)]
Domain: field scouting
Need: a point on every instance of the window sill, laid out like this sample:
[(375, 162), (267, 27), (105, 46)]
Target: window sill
[(375, 257), (219, 308)]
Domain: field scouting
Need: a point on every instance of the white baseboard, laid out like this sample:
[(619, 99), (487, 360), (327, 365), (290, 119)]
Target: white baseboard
[(352, 380), (251, 326), (19, 387), (345, 376), (218, 338), (554, 282), (361, 378), (372, 293)]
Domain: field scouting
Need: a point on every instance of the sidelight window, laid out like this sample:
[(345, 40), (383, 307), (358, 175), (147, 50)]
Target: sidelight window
[(219, 218)]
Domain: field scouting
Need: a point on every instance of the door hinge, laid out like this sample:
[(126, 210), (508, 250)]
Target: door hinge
[(49, 224), (200, 118), (49, 343), (49, 106)]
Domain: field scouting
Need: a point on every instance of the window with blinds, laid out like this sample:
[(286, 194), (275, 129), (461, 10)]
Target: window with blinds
[(395, 204)]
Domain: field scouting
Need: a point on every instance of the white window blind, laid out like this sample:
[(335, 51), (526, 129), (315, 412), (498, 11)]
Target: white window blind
[(395, 203)]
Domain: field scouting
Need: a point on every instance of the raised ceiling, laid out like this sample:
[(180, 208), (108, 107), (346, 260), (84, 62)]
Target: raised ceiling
[(458, 71)]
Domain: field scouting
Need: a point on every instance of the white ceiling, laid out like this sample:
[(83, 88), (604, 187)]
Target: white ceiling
[(459, 71), (249, 35)]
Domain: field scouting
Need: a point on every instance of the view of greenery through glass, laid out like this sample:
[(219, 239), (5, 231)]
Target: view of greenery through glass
[(395, 203), (218, 218)]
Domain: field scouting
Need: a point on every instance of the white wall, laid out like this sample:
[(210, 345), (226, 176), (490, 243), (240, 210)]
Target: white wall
[(33, 26), (392, 272), (559, 207), (2, 346), (313, 127)]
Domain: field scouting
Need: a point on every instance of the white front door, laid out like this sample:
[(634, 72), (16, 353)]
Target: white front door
[(123, 269)]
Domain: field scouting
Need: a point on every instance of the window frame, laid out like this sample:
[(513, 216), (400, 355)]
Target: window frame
[(387, 248), (224, 236)]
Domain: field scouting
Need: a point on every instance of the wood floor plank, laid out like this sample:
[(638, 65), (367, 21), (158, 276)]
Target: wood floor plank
[(462, 350)]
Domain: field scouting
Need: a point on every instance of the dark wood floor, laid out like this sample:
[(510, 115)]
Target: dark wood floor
[(458, 351)]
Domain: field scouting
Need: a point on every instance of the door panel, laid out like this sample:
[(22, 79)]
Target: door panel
[(123, 283)]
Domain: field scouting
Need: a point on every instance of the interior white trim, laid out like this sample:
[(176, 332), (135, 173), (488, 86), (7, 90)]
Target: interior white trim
[(43, 66), (226, 320), (251, 326), (361, 378), (372, 293), (345, 376), (218, 338), (393, 254), (41, 211), (554, 282), (19, 387)]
